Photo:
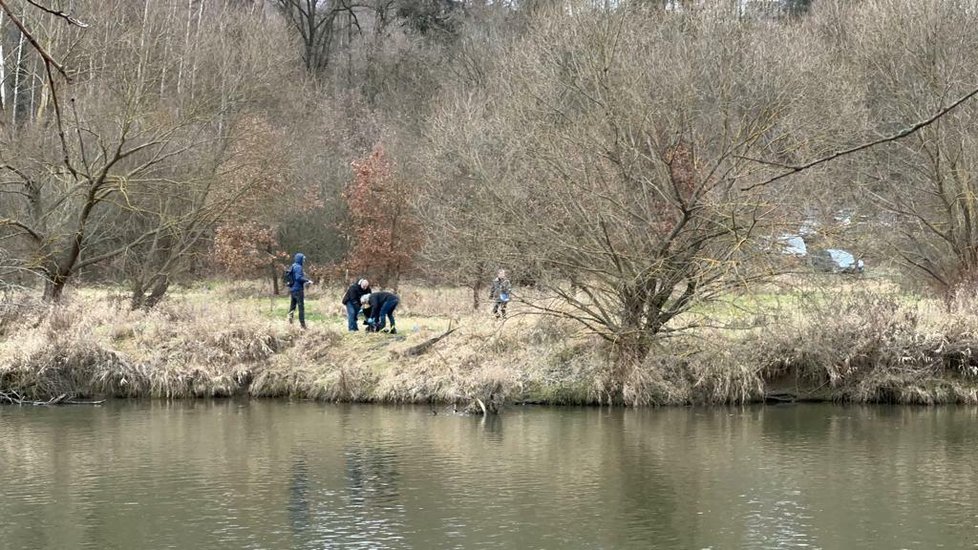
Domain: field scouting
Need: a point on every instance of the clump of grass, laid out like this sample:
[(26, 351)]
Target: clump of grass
[(681, 371), (421, 301), (874, 348), (88, 346), (56, 354), (320, 381), (49, 369), (721, 376), (16, 310)]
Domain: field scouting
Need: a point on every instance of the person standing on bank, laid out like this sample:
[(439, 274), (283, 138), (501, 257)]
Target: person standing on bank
[(376, 307), (352, 302), (499, 293), (297, 289)]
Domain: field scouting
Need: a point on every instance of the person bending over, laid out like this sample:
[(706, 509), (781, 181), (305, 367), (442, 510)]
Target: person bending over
[(379, 307)]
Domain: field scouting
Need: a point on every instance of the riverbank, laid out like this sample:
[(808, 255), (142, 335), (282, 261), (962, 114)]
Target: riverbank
[(858, 347)]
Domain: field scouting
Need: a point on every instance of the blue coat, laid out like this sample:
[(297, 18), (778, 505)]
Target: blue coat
[(298, 277)]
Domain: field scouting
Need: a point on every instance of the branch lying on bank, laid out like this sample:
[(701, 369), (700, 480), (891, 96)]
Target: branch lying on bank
[(414, 351), (14, 398)]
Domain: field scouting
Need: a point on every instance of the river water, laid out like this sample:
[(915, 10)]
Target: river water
[(272, 474)]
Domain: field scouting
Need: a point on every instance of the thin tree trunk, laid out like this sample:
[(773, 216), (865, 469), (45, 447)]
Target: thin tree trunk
[(3, 67), (156, 295), (475, 294), (17, 71), (477, 285), (224, 106), (137, 295), (274, 272), (186, 47), (166, 48), (193, 69), (105, 54), (52, 46), (141, 63), (349, 50), (33, 73)]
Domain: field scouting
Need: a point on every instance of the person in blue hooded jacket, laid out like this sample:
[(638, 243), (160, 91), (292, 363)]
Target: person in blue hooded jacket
[(298, 290)]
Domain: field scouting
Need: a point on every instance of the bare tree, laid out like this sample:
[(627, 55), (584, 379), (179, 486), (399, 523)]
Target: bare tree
[(611, 150), (137, 166), (915, 60), (322, 25)]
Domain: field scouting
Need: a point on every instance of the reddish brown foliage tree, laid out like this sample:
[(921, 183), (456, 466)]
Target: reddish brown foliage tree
[(258, 162), (384, 234), (249, 250)]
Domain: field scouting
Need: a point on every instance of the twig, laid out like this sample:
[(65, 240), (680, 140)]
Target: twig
[(67, 17), (794, 169)]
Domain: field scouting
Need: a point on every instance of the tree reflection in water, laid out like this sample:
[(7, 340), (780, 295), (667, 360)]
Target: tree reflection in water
[(299, 505), (365, 513)]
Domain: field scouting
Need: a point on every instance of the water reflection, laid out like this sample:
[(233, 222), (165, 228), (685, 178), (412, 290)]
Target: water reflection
[(280, 475), (371, 475), (299, 506)]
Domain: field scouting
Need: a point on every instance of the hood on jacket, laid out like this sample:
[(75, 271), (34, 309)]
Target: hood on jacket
[(299, 258)]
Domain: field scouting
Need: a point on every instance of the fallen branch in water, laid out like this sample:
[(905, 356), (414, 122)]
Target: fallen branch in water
[(11, 398), (14, 398), (76, 402)]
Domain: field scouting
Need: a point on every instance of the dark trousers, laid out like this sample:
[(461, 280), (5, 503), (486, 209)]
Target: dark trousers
[(386, 310), (499, 308), (299, 300), (352, 310)]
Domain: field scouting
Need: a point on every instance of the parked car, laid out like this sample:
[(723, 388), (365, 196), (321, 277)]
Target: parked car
[(793, 245), (835, 260)]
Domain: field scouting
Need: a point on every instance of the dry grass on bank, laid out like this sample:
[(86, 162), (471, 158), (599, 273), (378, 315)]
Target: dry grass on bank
[(226, 341), (861, 344)]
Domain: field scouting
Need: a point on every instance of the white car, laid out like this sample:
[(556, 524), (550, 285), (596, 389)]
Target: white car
[(835, 260)]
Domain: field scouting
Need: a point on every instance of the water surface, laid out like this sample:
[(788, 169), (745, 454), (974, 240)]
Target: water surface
[(271, 474)]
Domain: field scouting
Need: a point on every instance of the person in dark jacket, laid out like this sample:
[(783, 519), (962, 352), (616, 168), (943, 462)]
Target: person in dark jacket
[(298, 290), (352, 302), (376, 307)]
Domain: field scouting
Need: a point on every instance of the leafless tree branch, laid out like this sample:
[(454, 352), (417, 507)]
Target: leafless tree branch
[(57, 13), (794, 169)]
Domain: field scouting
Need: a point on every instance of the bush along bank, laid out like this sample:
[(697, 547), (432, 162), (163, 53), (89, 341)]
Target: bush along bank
[(873, 349)]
